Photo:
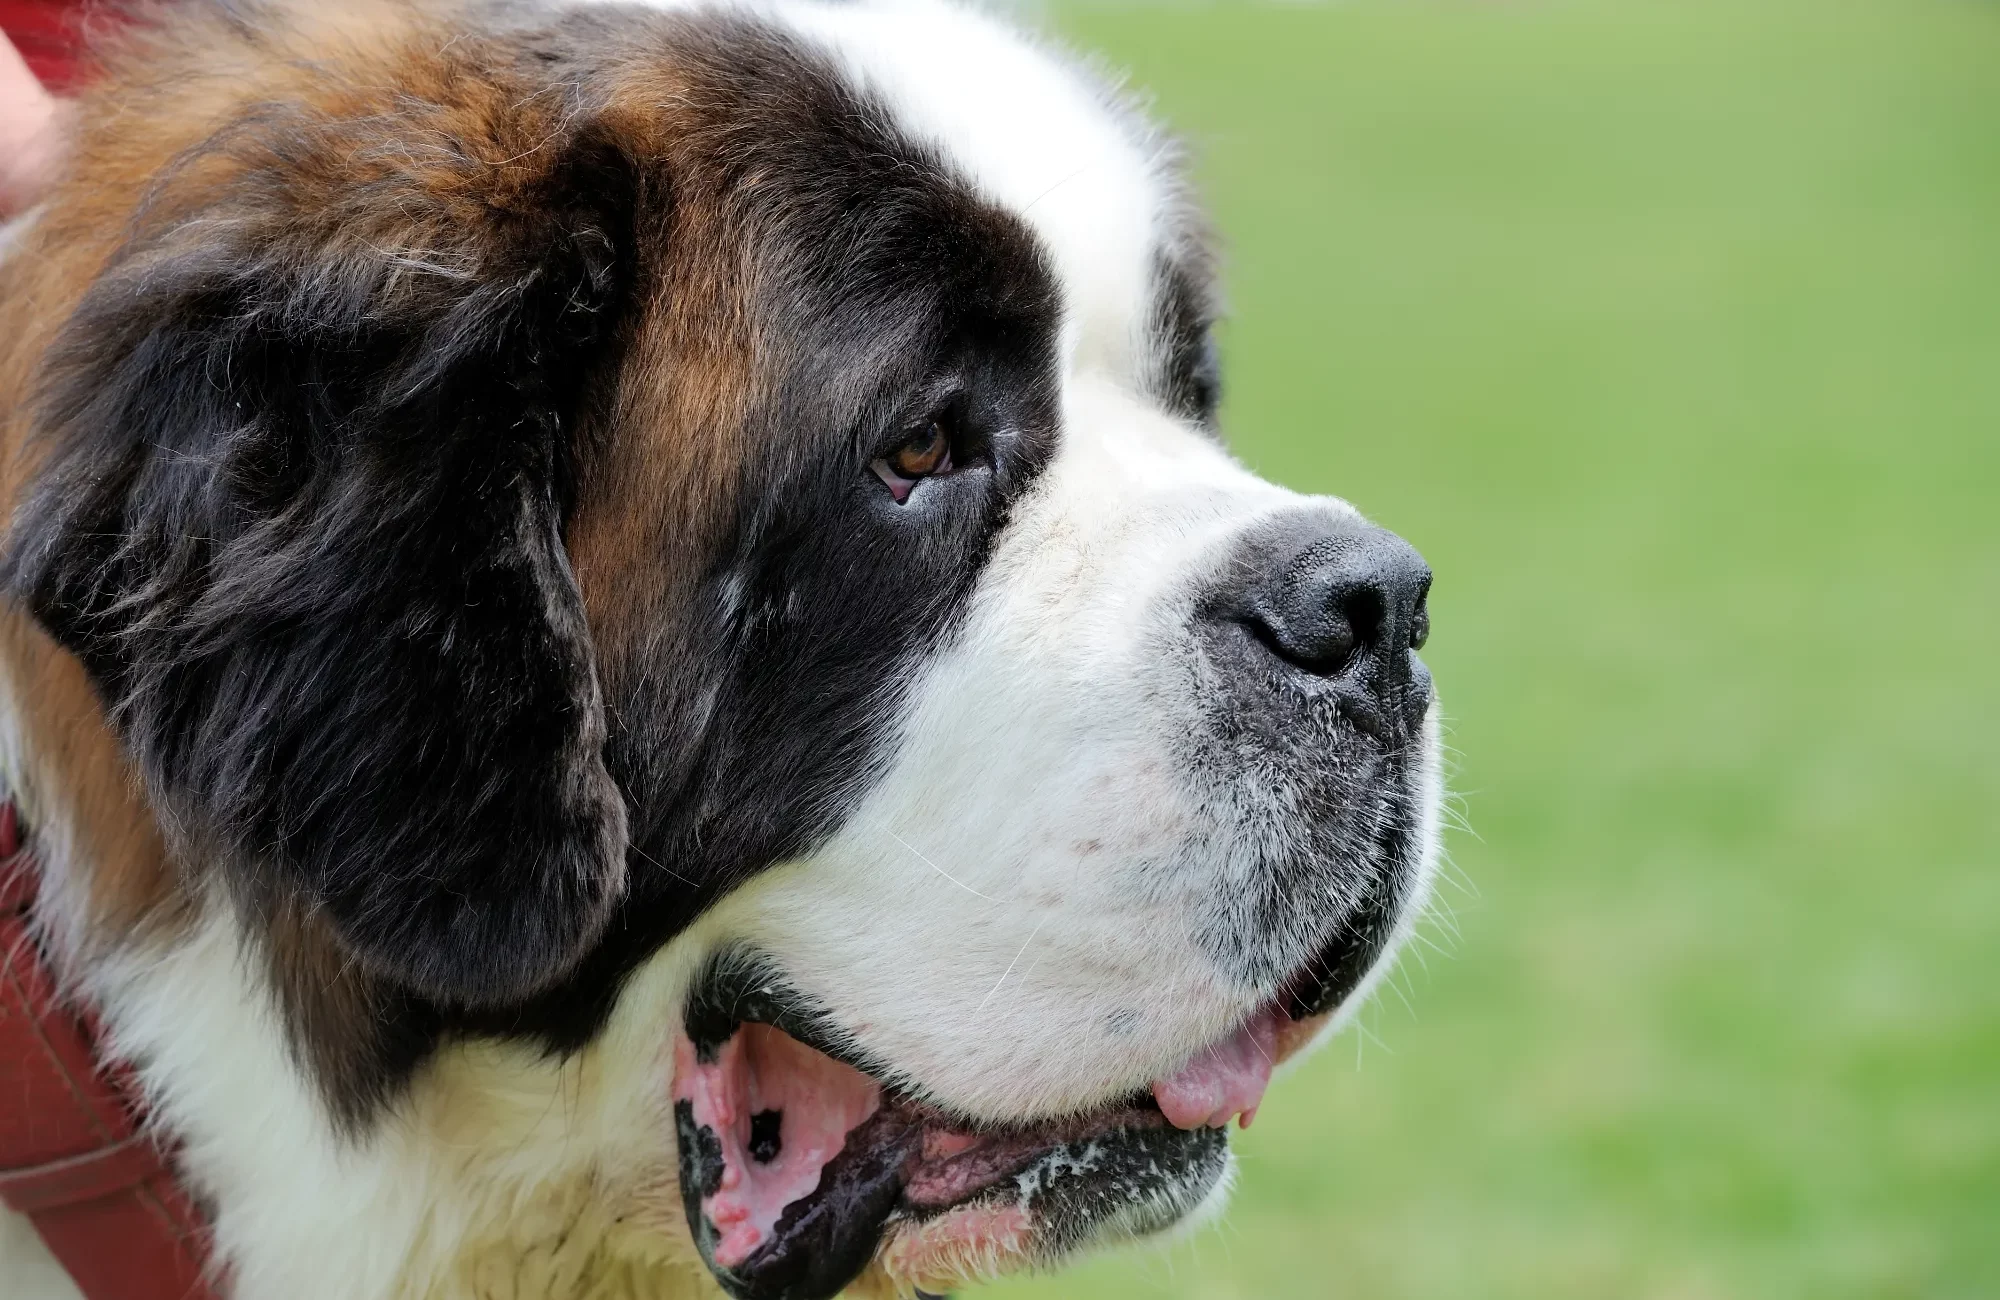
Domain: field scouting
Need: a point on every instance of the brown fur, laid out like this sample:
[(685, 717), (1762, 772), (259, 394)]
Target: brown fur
[(124, 883), (432, 137), (441, 133)]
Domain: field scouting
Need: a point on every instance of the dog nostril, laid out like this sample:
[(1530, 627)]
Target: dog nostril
[(1363, 610), (1342, 596), (1349, 606), (1324, 653), (766, 1135)]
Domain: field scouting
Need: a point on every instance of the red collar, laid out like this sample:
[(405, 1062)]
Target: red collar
[(75, 1156)]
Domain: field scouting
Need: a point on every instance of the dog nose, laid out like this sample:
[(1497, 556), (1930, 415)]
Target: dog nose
[(1349, 605)]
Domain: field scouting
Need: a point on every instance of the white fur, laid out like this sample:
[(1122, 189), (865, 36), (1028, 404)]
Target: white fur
[(1012, 885), (501, 1155), (1045, 727), (1016, 886), (1030, 134), (13, 229)]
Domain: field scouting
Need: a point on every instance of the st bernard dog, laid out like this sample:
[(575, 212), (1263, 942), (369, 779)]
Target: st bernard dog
[(635, 663)]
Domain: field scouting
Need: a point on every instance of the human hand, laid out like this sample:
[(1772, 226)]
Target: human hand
[(30, 133)]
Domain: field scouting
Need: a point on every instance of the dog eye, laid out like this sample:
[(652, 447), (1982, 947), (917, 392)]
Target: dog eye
[(924, 453)]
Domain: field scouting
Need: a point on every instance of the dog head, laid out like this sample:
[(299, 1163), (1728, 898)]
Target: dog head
[(700, 533)]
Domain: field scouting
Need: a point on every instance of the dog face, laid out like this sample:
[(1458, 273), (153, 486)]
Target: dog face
[(727, 502)]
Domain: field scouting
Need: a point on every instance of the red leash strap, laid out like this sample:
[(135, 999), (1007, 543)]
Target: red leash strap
[(74, 1155), (49, 34)]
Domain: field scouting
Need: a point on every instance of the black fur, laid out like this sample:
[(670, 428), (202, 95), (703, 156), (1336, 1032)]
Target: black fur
[(748, 735), (303, 512), (300, 519), (1187, 369)]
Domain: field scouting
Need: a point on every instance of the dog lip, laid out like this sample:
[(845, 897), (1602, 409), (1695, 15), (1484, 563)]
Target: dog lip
[(1331, 975), (740, 988), (800, 1215), (863, 1152), (801, 1218)]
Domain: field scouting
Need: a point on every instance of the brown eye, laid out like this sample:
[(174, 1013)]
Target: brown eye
[(923, 454)]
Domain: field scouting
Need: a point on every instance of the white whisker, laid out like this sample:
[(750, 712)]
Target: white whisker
[(935, 867), (1010, 965)]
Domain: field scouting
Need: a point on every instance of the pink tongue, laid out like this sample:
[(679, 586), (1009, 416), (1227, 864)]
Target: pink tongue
[(1225, 1079)]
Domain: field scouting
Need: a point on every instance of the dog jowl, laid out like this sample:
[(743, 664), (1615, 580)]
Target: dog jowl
[(639, 611)]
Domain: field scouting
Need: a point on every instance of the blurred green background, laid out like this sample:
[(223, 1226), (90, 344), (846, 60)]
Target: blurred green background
[(1670, 332)]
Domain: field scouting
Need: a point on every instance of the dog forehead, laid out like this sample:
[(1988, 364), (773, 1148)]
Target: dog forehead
[(1030, 133), (1028, 130)]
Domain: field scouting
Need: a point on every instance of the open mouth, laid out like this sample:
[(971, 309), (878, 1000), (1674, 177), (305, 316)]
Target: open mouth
[(799, 1164)]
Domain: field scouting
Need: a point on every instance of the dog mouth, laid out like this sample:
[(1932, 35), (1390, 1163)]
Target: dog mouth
[(801, 1161)]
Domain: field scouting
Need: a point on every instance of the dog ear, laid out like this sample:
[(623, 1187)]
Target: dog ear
[(307, 451)]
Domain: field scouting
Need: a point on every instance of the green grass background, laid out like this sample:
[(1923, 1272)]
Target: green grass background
[(1671, 333)]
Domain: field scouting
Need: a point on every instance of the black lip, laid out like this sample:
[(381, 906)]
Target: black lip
[(823, 1241), (1332, 974), (740, 986), (1127, 1176)]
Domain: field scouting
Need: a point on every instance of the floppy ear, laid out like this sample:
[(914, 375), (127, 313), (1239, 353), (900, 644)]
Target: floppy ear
[(307, 454)]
